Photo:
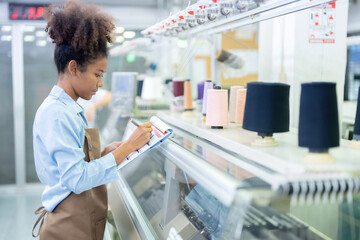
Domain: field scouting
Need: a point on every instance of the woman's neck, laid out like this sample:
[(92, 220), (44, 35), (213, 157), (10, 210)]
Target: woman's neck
[(65, 83)]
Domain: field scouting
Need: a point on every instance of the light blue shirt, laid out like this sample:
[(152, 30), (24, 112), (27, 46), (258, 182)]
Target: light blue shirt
[(58, 139)]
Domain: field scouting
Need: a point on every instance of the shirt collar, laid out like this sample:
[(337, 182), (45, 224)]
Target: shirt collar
[(60, 94)]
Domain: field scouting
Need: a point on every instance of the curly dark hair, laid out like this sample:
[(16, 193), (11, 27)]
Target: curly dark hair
[(80, 31)]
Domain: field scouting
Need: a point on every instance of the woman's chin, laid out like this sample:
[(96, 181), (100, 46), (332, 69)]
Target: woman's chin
[(87, 97)]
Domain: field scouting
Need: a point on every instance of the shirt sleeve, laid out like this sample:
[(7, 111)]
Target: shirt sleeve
[(64, 145)]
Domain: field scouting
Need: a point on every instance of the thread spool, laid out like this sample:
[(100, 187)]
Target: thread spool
[(151, 89), (139, 87), (232, 103), (266, 111), (200, 95), (178, 87), (217, 108), (188, 106), (207, 85), (240, 105), (177, 103), (200, 90), (318, 120), (355, 143), (229, 59)]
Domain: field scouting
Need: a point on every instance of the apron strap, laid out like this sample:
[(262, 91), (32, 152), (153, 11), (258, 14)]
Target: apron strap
[(42, 211)]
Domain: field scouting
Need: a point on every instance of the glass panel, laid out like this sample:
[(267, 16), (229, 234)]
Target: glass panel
[(40, 76), (215, 158), (7, 151), (172, 200)]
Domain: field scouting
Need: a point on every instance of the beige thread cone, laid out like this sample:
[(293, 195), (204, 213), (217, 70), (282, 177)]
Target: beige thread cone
[(232, 102), (188, 106), (240, 105), (217, 114)]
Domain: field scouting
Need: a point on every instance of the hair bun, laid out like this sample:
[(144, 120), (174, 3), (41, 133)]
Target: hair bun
[(81, 26)]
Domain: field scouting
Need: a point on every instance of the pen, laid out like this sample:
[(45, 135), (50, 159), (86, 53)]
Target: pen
[(131, 120), (137, 125)]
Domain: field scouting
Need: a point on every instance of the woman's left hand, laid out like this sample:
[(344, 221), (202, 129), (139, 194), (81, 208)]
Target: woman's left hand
[(111, 147)]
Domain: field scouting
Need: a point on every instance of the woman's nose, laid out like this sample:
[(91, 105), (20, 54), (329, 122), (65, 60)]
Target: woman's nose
[(100, 83)]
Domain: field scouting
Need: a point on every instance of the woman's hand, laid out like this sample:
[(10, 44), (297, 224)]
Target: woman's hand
[(136, 140), (140, 136), (111, 147)]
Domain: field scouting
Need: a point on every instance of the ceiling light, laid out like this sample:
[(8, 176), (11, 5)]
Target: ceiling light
[(129, 34), (120, 29), (29, 28), (6, 38), (29, 38), (41, 43), (40, 33), (119, 39), (6, 28), (130, 58)]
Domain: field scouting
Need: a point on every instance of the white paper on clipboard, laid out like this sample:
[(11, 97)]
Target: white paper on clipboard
[(161, 131)]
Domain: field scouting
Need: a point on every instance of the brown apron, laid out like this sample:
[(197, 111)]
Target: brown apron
[(79, 216)]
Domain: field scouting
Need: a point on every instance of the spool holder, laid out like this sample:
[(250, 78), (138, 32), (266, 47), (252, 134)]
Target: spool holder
[(318, 156), (264, 140), (355, 144), (203, 119), (188, 113)]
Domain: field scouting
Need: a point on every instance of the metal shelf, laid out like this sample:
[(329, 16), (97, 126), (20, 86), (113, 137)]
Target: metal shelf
[(268, 11)]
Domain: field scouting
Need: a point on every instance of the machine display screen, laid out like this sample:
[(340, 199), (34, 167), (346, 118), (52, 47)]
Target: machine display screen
[(123, 89), (18, 11)]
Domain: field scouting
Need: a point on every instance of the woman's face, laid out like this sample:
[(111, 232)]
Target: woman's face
[(88, 82)]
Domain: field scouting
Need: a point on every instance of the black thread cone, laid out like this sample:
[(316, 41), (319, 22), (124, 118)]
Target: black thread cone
[(267, 107), (139, 87), (318, 123)]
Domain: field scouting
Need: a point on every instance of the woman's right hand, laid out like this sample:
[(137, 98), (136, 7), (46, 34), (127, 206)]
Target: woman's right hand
[(140, 136)]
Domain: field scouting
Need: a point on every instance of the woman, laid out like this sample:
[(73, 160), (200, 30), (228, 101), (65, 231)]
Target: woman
[(67, 154)]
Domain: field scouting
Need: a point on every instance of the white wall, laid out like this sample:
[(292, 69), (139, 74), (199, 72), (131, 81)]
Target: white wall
[(284, 44)]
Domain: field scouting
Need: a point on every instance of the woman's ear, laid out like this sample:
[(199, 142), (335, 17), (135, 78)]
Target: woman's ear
[(73, 67)]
